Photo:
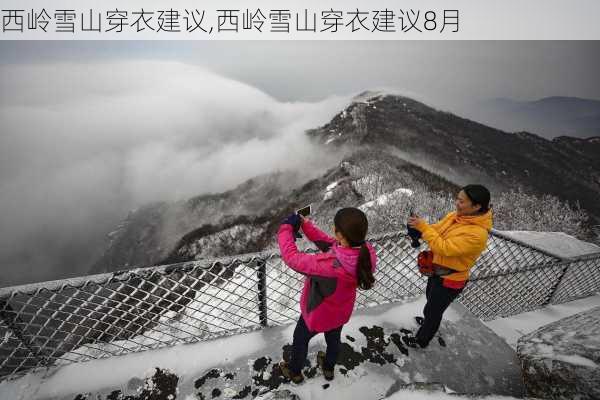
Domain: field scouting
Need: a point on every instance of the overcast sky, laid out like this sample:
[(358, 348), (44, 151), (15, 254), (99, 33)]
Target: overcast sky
[(91, 130), (442, 71)]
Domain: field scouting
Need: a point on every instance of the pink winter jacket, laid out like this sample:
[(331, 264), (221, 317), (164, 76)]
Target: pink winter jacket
[(329, 290)]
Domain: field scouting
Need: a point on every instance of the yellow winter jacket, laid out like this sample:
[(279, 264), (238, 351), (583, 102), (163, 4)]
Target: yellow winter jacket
[(457, 241)]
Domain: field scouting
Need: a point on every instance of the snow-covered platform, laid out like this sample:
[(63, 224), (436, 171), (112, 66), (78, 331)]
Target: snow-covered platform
[(558, 244), (374, 364)]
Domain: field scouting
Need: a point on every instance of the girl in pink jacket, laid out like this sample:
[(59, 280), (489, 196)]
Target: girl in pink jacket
[(332, 277)]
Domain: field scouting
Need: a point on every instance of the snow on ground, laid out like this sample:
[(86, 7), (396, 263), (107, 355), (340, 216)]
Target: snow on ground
[(570, 359), (329, 189), (375, 365), (116, 371), (331, 186), (193, 360), (402, 394), (385, 198), (429, 395), (512, 328), (558, 244)]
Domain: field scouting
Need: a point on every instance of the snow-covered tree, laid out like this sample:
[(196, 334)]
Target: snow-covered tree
[(518, 210), (389, 212)]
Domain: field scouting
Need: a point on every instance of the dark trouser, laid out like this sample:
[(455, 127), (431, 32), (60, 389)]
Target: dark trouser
[(438, 299), (300, 346)]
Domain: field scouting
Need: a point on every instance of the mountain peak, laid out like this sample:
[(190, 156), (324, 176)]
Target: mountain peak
[(368, 96), (567, 100), (375, 116)]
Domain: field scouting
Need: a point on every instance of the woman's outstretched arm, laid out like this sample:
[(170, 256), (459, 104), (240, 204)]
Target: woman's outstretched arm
[(303, 263), (322, 240)]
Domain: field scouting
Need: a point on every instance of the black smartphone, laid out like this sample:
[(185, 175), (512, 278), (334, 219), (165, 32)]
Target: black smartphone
[(411, 212), (304, 211)]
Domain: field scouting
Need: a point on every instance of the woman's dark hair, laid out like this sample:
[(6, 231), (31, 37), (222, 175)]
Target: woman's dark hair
[(353, 225), (478, 194)]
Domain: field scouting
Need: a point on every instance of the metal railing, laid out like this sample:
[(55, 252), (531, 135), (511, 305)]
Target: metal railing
[(55, 323)]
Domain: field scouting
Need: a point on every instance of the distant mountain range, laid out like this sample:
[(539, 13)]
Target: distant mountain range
[(392, 144), (548, 117)]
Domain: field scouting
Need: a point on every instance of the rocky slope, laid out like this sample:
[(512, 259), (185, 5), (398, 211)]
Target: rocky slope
[(246, 219), (396, 149), (463, 150)]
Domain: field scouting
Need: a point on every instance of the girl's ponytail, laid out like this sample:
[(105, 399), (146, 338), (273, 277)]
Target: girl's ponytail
[(364, 269)]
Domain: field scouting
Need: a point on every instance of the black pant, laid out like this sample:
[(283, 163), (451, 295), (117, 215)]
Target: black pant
[(300, 346), (439, 298)]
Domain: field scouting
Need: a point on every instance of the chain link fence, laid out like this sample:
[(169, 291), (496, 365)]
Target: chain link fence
[(60, 322)]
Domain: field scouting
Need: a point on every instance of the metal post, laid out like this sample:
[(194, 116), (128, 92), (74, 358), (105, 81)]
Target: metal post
[(261, 270), (11, 319), (558, 282)]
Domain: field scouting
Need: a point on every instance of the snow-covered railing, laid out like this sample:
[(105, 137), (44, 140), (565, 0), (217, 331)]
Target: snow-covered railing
[(59, 322)]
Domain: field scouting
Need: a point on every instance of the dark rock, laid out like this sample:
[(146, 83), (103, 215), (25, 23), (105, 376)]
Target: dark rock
[(279, 395), (261, 363), (275, 378), (161, 386), (243, 393), (417, 386), (115, 395), (349, 358), (395, 338), (376, 344), (212, 374)]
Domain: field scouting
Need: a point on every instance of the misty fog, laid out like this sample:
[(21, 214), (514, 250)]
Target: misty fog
[(82, 144)]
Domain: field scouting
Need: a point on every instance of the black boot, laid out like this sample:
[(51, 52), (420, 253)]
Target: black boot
[(411, 341), (328, 374)]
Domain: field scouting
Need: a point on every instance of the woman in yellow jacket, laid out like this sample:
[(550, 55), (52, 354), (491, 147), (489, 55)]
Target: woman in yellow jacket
[(456, 241)]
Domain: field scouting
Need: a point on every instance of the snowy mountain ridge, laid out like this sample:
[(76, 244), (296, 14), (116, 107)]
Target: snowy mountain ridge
[(391, 142)]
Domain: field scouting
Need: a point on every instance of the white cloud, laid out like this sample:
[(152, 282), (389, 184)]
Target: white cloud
[(86, 141)]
